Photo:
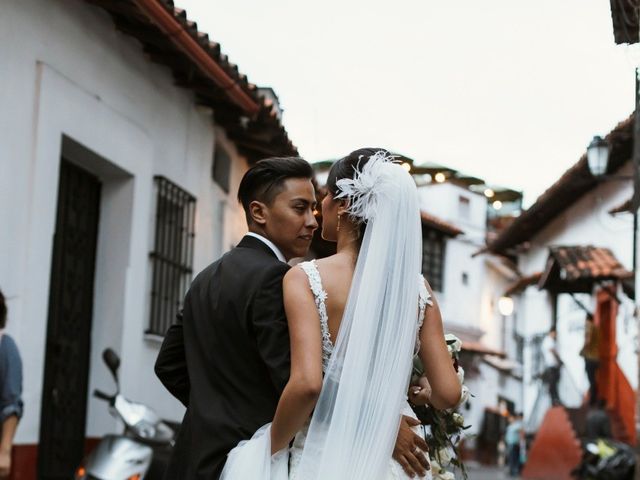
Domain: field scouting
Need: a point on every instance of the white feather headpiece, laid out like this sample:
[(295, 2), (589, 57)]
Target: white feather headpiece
[(363, 190)]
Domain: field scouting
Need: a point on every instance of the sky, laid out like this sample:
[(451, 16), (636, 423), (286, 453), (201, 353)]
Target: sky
[(506, 90)]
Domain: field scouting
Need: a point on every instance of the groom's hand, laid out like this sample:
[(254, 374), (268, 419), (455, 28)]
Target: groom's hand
[(410, 448)]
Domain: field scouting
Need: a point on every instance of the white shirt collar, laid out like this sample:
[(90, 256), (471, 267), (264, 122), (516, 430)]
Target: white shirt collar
[(269, 244)]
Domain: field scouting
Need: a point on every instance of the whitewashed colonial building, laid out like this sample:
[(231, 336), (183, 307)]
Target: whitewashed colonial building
[(574, 248), (469, 288), (123, 135)]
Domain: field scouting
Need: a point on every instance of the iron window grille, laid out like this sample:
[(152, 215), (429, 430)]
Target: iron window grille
[(433, 246), (172, 257)]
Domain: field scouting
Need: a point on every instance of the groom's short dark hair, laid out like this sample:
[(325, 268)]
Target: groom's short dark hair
[(265, 180)]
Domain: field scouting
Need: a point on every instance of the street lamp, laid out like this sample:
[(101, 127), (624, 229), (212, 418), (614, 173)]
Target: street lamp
[(598, 161), (505, 306), (598, 156)]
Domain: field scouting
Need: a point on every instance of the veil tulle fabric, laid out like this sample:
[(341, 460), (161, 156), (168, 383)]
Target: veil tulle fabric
[(355, 423)]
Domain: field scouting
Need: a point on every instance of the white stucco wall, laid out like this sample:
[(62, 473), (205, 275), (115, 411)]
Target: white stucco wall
[(67, 71), (443, 201)]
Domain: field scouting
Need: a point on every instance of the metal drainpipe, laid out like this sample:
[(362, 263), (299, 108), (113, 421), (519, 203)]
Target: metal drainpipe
[(176, 33), (635, 203)]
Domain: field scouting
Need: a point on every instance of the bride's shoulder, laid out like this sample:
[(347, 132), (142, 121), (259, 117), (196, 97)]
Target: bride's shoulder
[(296, 283), (295, 273), (302, 271), (425, 291)]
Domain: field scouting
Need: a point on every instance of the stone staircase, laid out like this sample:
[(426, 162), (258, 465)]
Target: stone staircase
[(556, 449)]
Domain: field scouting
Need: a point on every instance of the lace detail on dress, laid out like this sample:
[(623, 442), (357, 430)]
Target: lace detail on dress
[(320, 295), (424, 299)]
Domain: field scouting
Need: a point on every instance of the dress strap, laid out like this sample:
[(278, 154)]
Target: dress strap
[(320, 296), (424, 299)]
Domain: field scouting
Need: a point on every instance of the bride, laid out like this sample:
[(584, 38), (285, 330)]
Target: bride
[(356, 319)]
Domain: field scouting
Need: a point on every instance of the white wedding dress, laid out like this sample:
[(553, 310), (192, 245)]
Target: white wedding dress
[(315, 282)]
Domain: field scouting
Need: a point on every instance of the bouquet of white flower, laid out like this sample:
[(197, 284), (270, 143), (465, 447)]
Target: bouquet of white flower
[(444, 427)]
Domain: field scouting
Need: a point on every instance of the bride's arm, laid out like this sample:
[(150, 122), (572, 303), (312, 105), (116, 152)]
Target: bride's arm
[(301, 392), (438, 367)]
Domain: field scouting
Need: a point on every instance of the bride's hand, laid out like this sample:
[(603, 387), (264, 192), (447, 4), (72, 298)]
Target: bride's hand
[(420, 394)]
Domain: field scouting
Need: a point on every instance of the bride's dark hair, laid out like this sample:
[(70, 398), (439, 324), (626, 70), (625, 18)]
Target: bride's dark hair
[(346, 167)]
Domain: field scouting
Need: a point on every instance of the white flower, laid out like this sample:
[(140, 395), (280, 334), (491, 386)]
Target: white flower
[(458, 419), (464, 397), (460, 375), (454, 344), (444, 456), (440, 473), (445, 476)]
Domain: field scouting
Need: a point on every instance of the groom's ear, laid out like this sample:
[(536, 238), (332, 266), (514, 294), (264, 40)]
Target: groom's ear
[(257, 212)]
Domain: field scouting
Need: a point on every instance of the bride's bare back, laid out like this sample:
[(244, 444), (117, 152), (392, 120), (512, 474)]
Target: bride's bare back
[(336, 273)]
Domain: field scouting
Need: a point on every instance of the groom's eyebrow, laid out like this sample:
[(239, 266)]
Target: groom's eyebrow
[(304, 201)]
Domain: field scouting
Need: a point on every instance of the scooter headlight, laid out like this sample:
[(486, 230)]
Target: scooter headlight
[(144, 430), (81, 473)]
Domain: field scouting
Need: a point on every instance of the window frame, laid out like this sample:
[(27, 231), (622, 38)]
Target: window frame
[(433, 257), (172, 254)]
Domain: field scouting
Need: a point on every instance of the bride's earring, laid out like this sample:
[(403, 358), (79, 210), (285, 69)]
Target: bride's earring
[(339, 217)]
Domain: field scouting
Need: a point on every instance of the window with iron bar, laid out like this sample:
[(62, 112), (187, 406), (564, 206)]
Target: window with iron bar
[(433, 247), (172, 256)]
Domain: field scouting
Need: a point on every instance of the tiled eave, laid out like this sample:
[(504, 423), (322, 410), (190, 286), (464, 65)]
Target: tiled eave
[(169, 38), (431, 221), (568, 189), (575, 269)]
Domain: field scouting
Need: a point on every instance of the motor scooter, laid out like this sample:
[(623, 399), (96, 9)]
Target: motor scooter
[(141, 451)]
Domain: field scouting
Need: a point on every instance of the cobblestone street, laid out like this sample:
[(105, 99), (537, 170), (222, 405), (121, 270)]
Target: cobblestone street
[(480, 472)]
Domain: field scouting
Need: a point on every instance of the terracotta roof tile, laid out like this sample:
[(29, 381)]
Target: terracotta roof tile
[(625, 207), (522, 283), (264, 135), (581, 266), (481, 348), (624, 14), (439, 224)]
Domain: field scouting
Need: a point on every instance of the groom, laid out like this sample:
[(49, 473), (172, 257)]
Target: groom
[(227, 357)]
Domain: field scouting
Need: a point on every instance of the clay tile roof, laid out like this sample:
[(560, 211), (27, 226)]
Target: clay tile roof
[(625, 207), (576, 268), (624, 14), (440, 225), (163, 30), (522, 283), (481, 348), (567, 190)]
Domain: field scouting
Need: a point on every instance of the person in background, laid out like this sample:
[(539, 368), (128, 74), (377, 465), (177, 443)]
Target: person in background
[(598, 422), (512, 439), (591, 354), (502, 423), (552, 363), (10, 391)]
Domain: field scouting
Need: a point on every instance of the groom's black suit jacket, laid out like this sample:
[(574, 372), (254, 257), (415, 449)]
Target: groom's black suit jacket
[(227, 358)]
